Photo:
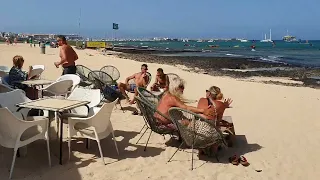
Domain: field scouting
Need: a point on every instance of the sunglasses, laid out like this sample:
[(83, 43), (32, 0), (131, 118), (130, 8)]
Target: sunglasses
[(181, 87)]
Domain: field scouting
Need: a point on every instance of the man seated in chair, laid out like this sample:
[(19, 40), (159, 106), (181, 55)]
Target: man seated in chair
[(162, 81), (140, 80)]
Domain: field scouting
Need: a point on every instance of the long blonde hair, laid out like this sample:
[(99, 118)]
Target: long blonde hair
[(174, 86)]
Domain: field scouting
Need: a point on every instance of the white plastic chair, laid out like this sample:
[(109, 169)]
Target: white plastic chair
[(96, 127), (16, 133), (81, 94), (3, 74), (5, 80), (59, 88), (11, 98), (4, 88), (75, 79)]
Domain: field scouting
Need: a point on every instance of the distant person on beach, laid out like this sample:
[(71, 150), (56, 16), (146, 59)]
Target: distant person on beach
[(15, 40), (68, 57), (174, 98), (16, 75), (140, 80), (162, 81), (30, 42)]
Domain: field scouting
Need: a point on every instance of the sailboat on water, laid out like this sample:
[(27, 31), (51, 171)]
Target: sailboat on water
[(265, 38)]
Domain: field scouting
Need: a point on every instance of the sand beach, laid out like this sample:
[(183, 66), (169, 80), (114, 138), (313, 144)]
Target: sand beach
[(277, 130)]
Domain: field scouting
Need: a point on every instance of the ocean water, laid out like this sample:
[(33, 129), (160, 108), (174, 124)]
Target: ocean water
[(305, 54)]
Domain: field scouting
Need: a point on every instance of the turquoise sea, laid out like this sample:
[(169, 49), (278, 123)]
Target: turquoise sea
[(304, 53)]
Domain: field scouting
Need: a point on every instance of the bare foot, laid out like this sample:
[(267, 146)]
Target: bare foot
[(132, 102)]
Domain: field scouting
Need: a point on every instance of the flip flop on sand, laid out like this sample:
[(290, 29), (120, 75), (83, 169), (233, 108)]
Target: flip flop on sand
[(234, 160), (244, 161)]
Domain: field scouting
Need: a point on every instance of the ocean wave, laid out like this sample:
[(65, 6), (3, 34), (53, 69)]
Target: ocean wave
[(234, 55)]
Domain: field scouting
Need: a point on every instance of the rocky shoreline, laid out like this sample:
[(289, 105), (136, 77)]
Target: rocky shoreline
[(233, 67)]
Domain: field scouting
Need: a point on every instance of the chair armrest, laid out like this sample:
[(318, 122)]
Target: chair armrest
[(40, 122), (71, 115)]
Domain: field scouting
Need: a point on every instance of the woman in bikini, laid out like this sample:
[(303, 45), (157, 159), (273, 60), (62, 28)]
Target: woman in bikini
[(172, 98), (214, 100)]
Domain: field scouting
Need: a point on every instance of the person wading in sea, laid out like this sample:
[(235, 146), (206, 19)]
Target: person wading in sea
[(68, 57)]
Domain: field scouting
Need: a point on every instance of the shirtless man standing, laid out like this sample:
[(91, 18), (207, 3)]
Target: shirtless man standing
[(68, 57), (141, 79), (162, 81)]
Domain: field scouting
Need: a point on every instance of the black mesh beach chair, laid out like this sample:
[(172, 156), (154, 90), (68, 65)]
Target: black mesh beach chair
[(109, 94), (148, 111), (199, 134), (83, 73), (102, 76), (112, 71)]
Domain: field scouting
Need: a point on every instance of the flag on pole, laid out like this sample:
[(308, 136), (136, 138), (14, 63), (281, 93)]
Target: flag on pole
[(115, 26)]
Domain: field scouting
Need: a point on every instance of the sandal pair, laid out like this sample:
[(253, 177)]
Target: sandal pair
[(235, 160)]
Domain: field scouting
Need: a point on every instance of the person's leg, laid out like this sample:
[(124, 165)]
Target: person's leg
[(122, 88), (133, 100)]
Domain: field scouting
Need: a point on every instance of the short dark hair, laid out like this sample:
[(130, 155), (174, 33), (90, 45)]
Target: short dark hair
[(18, 61), (160, 70), (62, 37), (144, 65)]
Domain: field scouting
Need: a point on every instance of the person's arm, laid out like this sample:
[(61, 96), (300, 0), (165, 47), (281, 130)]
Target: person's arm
[(129, 78), (180, 104), (28, 74), (166, 87)]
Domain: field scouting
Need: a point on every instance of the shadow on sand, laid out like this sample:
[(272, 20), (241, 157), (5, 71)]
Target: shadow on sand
[(240, 148)]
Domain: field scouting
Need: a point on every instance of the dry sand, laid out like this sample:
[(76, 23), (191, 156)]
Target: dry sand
[(277, 130)]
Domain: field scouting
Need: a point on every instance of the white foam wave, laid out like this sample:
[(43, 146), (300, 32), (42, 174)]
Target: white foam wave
[(233, 55)]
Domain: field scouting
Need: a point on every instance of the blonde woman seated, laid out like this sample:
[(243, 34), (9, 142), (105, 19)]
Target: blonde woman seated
[(173, 98), (213, 99)]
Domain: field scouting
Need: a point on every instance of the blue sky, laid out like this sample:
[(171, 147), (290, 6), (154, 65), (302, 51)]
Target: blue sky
[(166, 18)]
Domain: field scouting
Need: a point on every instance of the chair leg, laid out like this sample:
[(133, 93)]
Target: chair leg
[(56, 118), (192, 157), (69, 146), (145, 148), (115, 142), (13, 161), (87, 143), (142, 133), (121, 107), (175, 152), (99, 146), (48, 148)]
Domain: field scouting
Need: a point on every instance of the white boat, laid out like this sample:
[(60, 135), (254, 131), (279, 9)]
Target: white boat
[(243, 40), (265, 38), (210, 41), (200, 40)]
